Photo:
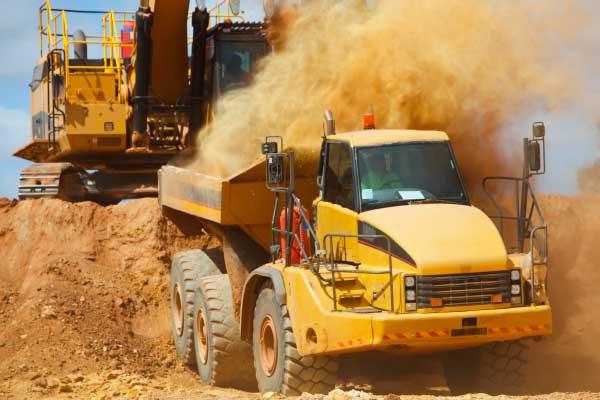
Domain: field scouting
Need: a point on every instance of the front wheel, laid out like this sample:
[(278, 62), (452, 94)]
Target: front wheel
[(493, 369), (279, 367)]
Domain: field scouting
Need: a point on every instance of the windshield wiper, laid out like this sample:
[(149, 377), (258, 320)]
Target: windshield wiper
[(432, 201)]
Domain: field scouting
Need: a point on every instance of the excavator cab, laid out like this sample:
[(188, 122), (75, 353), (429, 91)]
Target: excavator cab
[(234, 51)]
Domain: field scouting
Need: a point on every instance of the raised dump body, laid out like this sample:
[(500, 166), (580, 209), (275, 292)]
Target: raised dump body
[(241, 200)]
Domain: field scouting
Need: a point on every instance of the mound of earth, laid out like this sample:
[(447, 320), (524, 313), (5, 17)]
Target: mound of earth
[(83, 288)]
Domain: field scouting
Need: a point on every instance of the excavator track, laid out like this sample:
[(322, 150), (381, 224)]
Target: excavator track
[(42, 180)]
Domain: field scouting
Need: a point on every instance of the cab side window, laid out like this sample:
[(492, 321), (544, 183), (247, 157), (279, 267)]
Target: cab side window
[(339, 183)]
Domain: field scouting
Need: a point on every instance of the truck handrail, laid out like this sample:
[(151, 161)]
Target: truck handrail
[(328, 238), (524, 219)]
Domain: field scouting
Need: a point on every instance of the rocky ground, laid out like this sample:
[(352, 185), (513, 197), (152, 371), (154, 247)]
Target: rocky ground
[(84, 308)]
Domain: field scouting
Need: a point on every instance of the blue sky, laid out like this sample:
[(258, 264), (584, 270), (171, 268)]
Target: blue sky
[(572, 134)]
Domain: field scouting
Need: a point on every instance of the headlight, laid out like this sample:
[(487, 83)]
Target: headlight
[(515, 275), (515, 289), (409, 281), (411, 306), (410, 295)]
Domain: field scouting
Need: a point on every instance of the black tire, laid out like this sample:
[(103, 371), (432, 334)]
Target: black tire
[(222, 358), (493, 369), (289, 373), (186, 269)]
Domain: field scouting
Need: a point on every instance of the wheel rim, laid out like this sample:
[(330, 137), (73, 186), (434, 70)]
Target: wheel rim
[(202, 338), (178, 314), (268, 346)]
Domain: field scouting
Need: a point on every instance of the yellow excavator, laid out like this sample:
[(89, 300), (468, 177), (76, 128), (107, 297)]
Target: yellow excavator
[(109, 110)]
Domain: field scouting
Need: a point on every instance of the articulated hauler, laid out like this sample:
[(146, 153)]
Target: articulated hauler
[(395, 258)]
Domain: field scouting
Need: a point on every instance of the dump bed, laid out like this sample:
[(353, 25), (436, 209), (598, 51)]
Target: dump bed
[(241, 200)]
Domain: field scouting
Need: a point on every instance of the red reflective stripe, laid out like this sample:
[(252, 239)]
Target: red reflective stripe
[(433, 333)]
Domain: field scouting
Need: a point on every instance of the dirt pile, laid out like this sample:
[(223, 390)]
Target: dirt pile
[(84, 288)]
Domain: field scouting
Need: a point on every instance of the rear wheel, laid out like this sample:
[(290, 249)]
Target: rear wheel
[(187, 268), (495, 368), (222, 358), (279, 367)]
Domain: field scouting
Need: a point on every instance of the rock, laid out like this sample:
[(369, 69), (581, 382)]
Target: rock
[(82, 299), (359, 394), (23, 336), (40, 382), (114, 374), (78, 378), (52, 383), (269, 395), (2, 344), (168, 362), (48, 312), (65, 388), (34, 375), (338, 394)]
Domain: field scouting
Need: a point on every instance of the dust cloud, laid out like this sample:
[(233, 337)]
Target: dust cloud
[(468, 67)]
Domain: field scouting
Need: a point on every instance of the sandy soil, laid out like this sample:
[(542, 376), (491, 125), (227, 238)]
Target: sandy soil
[(84, 308)]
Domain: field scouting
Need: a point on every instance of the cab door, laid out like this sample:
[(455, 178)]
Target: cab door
[(336, 211)]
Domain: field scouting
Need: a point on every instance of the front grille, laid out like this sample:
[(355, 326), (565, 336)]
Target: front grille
[(463, 289)]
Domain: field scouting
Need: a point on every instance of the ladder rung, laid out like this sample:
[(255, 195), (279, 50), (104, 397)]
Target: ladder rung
[(351, 295)]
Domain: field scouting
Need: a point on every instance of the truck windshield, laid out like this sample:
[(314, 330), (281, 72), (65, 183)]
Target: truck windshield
[(408, 173)]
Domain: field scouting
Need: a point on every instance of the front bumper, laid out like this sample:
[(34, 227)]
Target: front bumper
[(434, 332)]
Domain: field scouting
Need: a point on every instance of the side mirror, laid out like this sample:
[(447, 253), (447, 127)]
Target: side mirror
[(275, 169), (535, 150), (535, 157), (539, 130), (280, 165)]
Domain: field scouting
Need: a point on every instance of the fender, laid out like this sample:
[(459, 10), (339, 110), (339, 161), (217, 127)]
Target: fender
[(250, 294)]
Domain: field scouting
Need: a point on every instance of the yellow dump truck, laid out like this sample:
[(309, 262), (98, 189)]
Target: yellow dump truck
[(395, 258)]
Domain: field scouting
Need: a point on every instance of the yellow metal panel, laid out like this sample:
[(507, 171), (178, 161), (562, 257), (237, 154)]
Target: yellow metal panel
[(333, 218), (443, 238), (169, 49), (310, 309), (190, 192), (95, 127), (433, 332), (383, 136), (92, 87), (192, 208)]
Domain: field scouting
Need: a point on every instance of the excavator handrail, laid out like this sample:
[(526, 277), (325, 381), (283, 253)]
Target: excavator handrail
[(55, 35)]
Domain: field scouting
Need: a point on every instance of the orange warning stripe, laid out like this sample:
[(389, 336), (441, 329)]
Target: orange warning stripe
[(518, 329), (443, 333)]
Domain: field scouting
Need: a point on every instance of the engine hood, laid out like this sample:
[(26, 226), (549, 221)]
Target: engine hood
[(442, 238)]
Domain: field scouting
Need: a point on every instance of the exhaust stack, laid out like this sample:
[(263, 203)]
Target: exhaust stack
[(329, 123)]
